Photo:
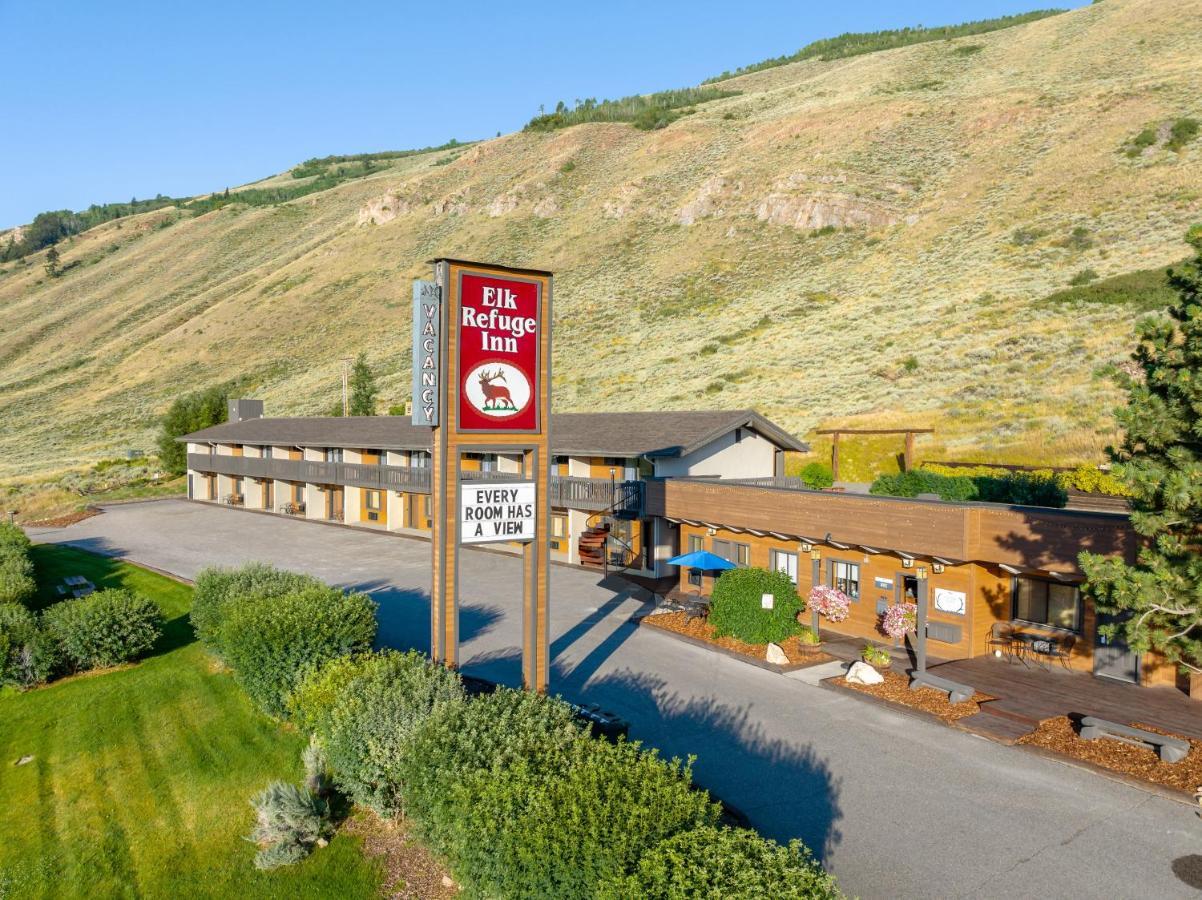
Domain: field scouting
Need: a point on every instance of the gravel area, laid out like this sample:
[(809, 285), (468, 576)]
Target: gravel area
[(1060, 736), (896, 689), (797, 653)]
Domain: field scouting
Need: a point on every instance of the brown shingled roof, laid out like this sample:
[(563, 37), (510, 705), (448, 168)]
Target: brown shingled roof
[(672, 433)]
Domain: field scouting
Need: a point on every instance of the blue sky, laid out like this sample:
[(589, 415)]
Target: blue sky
[(108, 100)]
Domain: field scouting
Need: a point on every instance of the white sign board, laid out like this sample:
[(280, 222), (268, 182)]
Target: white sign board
[(767, 601), (950, 601), (496, 511)]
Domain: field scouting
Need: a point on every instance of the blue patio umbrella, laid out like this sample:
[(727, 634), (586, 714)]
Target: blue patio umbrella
[(704, 560)]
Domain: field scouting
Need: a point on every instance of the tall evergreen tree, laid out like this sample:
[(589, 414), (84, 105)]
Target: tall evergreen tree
[(1159, 598), (52, 259), (363, 388)]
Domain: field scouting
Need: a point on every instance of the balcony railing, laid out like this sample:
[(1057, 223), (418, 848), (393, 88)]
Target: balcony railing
[(567, 492)]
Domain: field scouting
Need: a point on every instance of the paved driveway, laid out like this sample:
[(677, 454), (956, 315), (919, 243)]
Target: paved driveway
[(897, 807)]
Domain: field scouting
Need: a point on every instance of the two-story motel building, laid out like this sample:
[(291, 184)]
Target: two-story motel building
[(631, 490)]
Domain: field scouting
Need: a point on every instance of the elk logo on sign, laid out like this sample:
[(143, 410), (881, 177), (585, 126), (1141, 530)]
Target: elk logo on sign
[(497, 390)]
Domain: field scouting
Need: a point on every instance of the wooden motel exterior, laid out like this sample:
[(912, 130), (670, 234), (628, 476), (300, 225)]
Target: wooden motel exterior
[(631, 490)]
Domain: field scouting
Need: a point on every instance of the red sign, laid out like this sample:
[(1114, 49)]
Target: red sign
[(498, 353)]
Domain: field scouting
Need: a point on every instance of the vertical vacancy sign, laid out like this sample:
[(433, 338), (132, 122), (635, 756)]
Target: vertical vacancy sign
[(485, 389), (427, 351)]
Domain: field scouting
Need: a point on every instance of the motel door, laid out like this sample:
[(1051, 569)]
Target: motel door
[(1112, 658)]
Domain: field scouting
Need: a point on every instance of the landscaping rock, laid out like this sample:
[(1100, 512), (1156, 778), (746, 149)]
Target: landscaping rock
[(776, 655), (862, 673)]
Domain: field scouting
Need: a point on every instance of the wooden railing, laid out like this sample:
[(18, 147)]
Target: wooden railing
[(567, 492)]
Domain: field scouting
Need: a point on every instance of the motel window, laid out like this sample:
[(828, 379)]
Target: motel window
[(846, 577), (695, 544), (334, 454), (785, 562), (420, 459), (267, 452), (1047, 603), (429, 506), (238, 486), (739, 554), (488, 462), (559, 531), (298, 493), (372, 499)]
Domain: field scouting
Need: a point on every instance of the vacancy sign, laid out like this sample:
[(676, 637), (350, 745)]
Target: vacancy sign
[(427, 348), (496, 511), (498, 353)]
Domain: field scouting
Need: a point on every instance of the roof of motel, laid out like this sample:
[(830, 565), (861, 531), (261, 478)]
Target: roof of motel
[(582, 434)]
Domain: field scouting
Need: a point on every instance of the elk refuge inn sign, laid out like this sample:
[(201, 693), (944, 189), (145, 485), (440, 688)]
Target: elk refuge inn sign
[(482, 382)]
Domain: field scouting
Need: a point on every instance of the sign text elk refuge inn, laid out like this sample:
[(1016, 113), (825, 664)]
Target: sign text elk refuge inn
[(481, 380)]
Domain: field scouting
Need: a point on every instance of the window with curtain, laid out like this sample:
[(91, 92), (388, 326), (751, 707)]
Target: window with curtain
[(420, 459), (695, 543), (845, 576), (1047, 603)]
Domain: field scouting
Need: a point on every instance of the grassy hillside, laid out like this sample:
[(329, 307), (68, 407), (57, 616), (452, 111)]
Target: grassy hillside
[(858, 241)]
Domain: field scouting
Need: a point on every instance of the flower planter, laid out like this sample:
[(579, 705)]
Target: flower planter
[(809, 649)]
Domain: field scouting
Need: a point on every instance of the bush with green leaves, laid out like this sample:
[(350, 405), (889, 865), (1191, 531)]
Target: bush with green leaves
[(728, 863), (272, 642), (1022, 488), (17, 583), (28, 656), (736, 607), (921, 481), (817, 475), (524, 803), (219, 590), (363, 710), (289, 821), (104, 629)]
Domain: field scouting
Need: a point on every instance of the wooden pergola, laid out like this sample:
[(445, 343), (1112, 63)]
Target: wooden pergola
[(908, 454)]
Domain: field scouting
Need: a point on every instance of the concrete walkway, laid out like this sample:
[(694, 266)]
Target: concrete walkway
[(896, 806)]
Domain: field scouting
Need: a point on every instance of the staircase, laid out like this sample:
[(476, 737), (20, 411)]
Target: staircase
[(592, 546)]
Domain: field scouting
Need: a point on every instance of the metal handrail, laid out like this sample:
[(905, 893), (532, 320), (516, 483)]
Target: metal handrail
[(626, 497)]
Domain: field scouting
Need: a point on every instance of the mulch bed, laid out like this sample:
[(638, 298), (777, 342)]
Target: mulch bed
[(1060, 736), (896, 689), (64, 521), (702, 630), (411, 872)]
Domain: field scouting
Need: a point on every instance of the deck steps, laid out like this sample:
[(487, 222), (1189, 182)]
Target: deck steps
[(592, 546)]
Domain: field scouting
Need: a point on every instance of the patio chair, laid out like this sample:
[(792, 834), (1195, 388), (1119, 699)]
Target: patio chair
[(1064, 648), (1001, 637), (696, 608)]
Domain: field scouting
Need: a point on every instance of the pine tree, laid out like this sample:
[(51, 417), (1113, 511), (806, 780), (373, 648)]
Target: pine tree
[(1159, 598), (52, 259), (363, 388)]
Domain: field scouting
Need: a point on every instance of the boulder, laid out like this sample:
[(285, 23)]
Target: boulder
[(862, 673), (776, 655)]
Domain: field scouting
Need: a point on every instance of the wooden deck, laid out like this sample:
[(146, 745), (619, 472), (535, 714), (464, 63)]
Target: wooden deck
[(1027, 695)]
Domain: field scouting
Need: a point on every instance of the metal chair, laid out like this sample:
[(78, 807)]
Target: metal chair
[(1001, 637)]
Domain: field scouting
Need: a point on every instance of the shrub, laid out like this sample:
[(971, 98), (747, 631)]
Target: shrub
[(724, 862), (17, 584), (272, 642), (1023, 488), (1181, 133), (1093, 480), (28, 655), (566, 821), (922, 481), (105, 628), (289, 820), (218, 590), (817, 475), (736, 608), (807, 635), (496, 732), (364, 709)]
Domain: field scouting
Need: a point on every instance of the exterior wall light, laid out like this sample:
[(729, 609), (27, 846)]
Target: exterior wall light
[(907, 562), (815, 554), (921, 572), (806, 547), (937, 568)]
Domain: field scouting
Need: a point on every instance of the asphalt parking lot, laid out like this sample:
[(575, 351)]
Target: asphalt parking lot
[(896, 806)]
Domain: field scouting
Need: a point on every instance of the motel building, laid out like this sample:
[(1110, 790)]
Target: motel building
[(631, 490)]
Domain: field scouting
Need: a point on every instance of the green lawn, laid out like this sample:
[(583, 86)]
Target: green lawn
[(141, 776)]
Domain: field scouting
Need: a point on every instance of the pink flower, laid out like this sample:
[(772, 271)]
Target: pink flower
[(830, 603), (898, 619)]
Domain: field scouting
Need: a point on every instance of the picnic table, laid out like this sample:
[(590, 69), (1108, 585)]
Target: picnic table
[(75, 585), (1040, 646)]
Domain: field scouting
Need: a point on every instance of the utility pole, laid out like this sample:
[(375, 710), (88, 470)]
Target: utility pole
[(346, 375)]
